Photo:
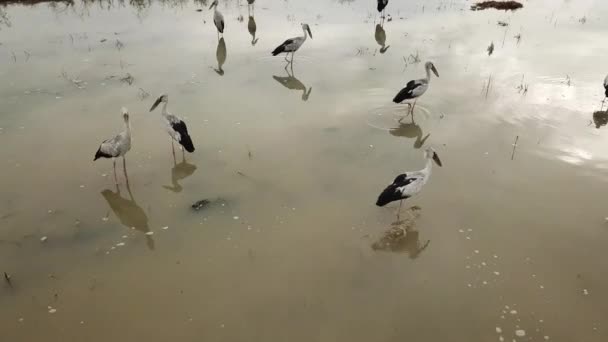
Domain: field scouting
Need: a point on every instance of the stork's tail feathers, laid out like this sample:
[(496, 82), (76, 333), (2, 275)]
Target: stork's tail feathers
[(607, 91), (100, 154), (186, 142), (277, 51)]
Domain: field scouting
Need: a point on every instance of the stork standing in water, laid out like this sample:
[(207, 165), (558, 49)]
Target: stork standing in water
[(605, 87), (381, 6), (117, 146), (218, 19), (409, 184), (175, 126), (292, 45), (414, 89), (252, 28)]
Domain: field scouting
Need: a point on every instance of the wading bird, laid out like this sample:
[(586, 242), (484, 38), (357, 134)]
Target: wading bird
[(292, 45), (218, 19), (409, 184), (117, 146), (605, 87), (175, 126), (416, 88), (381, 6)]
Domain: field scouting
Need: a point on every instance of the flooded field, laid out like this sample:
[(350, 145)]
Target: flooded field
[(507, 241)]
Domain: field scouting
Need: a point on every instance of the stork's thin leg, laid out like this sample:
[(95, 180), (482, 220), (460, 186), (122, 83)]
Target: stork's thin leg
[(292, 54), (399, 211), (124, 168), (183, 154), (173, 150), (414, 106), (114, 164), (286, 57)]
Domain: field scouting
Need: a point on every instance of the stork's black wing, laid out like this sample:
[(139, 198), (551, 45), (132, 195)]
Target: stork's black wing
[(406, 93), (382, 4), (185, 140), (281, 48), (391, 194)]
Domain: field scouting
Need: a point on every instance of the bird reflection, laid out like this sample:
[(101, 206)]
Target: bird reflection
[(220, 54), (409, 243), (380, 36), (252, 27), (291, 82), (178, 172), (410, 130), (128, 212), (600, 118), (403, 237)]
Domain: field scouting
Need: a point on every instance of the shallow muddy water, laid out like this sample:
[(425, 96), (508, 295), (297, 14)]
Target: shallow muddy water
[(508, 242)]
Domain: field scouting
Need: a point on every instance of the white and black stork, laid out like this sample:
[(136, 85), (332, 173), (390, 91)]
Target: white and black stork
[(409, 184), (415, 88), (293, 44), (117, 146), (175, 126)]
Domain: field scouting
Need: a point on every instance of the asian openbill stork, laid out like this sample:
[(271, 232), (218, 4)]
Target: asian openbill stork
[(381, 6), (175, 126), (218, 19), (293, 44), (409, 184), (416, 88), (117, 146)]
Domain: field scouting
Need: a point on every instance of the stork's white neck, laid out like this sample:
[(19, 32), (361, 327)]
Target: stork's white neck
[(304, 30), (164, 111), (429, 165), (428, 74)]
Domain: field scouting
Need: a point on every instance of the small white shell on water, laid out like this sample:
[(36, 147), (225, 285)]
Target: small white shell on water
[(501, 339), (585, 292), (120, 244), (52, 310), (165, 227), (149, 233), (520, 333), (476, 251), (513, 312), (235, 217), (498, 330), (546, 338), (43, 239)]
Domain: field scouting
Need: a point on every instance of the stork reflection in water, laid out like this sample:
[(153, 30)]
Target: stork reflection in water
[(291, 82), (179, 172), (600, 118), (410, 130), (220, 54), (380, 36), (252, 28), (128, 212)]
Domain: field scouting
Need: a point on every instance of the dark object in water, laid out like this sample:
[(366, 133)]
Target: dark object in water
[(200, 204), (499, 5), (7, 277), (199, 10), (600, 118)]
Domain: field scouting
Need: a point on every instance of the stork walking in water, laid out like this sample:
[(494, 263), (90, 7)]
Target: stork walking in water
[(409, 184), (293, 44), (605, 87), (381, 6), (414, 89), (175, 126), (218, 19), (117, 146)]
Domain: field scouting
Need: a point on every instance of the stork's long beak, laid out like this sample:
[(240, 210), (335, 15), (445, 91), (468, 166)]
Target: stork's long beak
[(434, 70), (156, 103), (436, 159), (309, 33), (212, 4)]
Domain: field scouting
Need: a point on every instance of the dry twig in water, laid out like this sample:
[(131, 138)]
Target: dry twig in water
[(514, 147)]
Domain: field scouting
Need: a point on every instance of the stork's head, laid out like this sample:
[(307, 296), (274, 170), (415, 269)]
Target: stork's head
[(430, 153), (125, 113), (431, 66), (214, 3), (162, 98), (306, 29)]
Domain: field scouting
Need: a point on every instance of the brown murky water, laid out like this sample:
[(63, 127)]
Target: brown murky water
[(285, 251)]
